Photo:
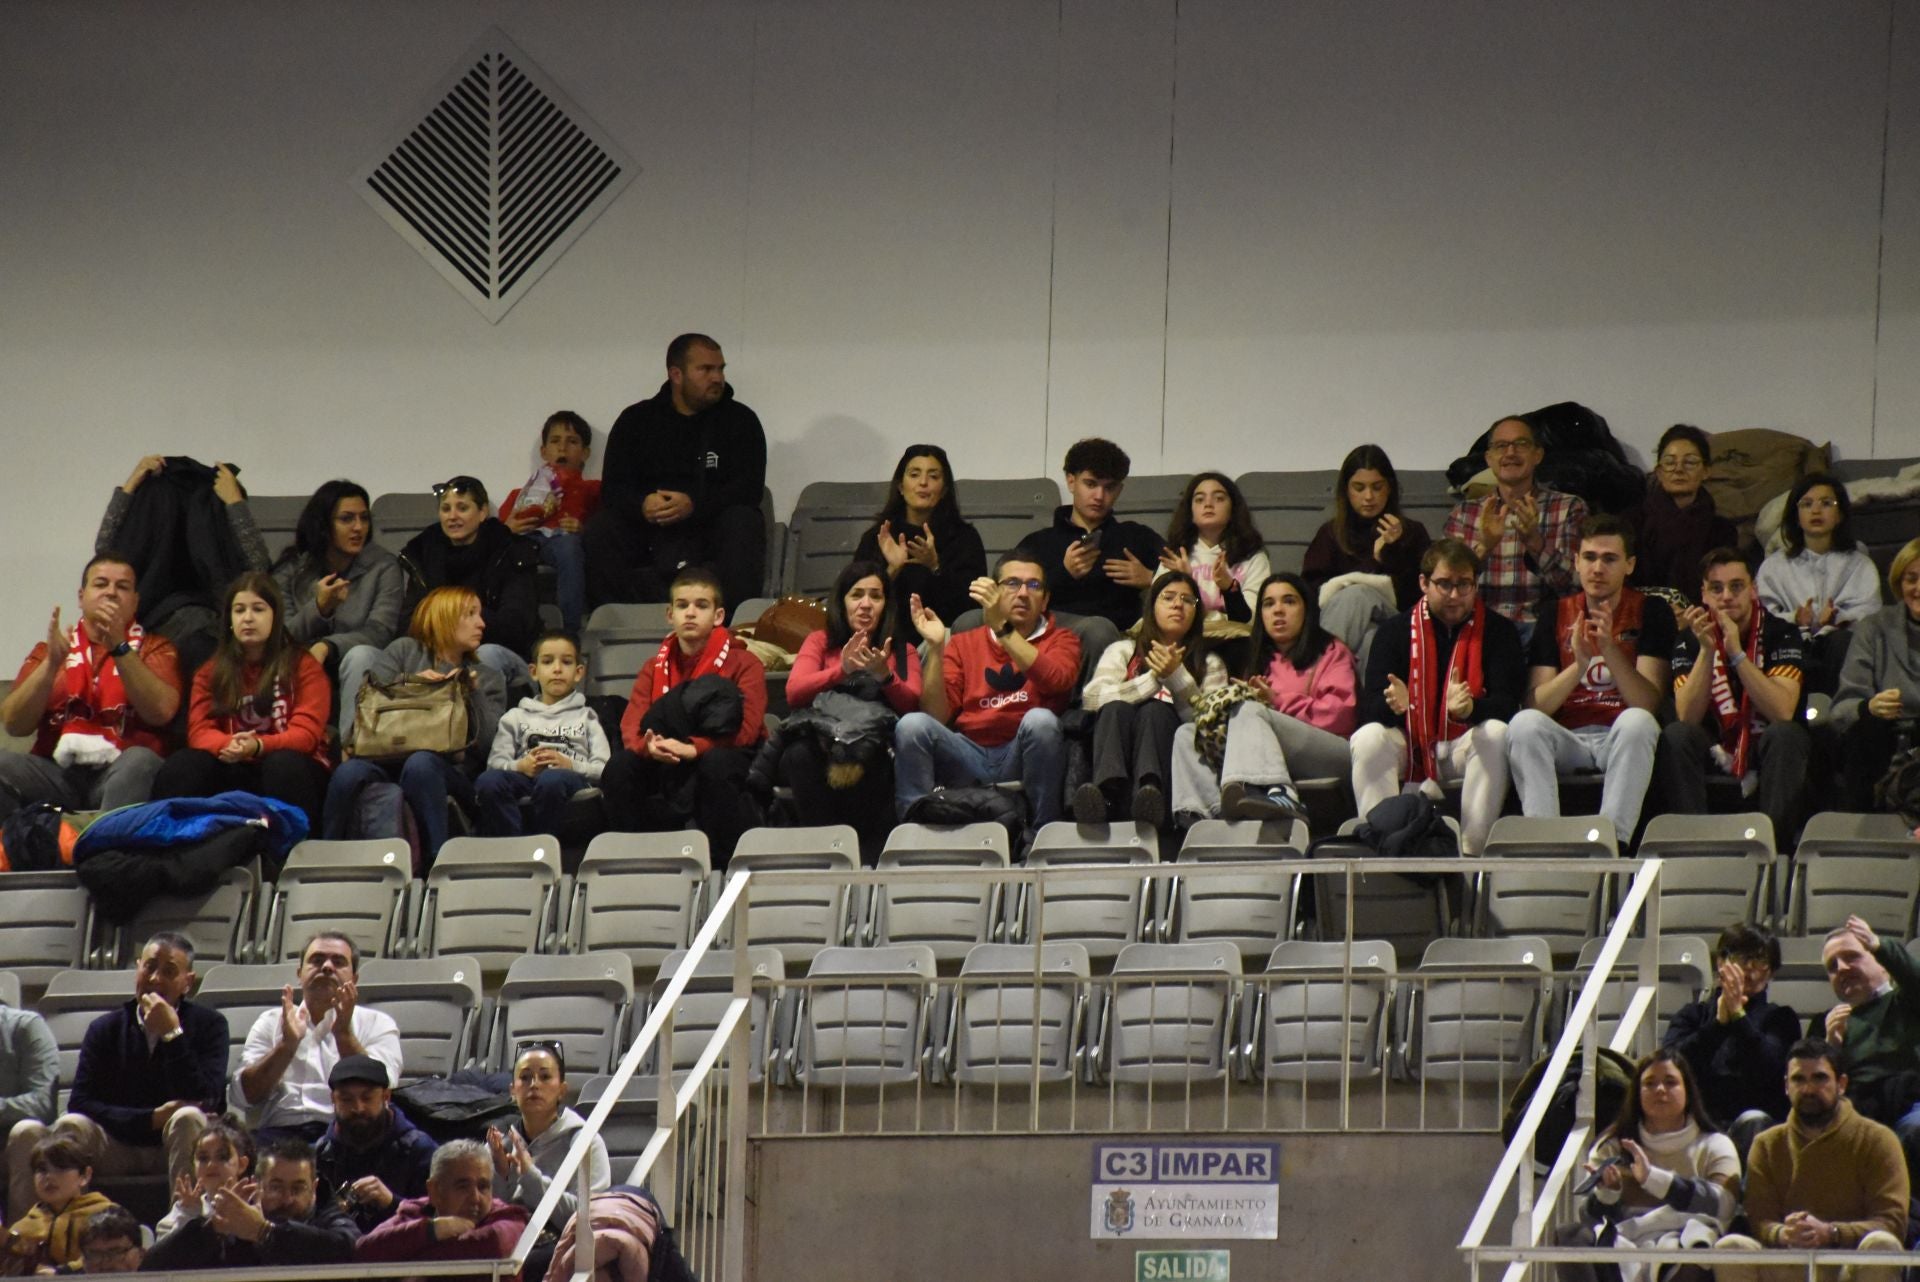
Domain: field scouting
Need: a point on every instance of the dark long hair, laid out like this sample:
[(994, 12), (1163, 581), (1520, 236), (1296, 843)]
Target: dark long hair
[(1195, 639), (1626, 1123), (1238, 541), (1790, 531), (893, 620), (1362, 458), (945, 514), (1306, 648), (314, 533), (279, 661)]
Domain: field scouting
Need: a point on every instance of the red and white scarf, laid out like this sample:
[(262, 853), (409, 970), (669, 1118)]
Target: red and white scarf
[(88, 721), (1733, 713), (712, 659), (1428, 724)]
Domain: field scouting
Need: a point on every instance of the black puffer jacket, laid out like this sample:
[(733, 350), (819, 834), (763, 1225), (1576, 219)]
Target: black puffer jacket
[(501, 566)]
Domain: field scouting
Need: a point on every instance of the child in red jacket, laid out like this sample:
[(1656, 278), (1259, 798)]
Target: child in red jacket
[(553, 505), (675, 762)]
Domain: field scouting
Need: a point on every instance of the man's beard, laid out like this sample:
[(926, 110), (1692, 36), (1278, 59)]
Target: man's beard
[(363, 1132), (1815, 1116)]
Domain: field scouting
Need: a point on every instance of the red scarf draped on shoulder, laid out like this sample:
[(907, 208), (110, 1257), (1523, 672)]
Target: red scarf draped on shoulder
[(1428, 724), (711, 660), (88, 719), (1734, 716)]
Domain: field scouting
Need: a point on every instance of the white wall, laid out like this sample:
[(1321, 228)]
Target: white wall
[(1226, 234)]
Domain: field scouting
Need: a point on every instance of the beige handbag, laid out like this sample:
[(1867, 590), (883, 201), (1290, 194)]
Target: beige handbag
[(392, 719)]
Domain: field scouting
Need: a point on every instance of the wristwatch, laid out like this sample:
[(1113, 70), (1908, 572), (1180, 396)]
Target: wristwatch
[(122, 650), (1005, 629)]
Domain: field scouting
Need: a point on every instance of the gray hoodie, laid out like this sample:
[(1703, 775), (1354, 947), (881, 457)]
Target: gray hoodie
[(569, 725)]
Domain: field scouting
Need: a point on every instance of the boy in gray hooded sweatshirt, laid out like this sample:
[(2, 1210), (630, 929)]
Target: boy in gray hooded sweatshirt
[(548, 748)]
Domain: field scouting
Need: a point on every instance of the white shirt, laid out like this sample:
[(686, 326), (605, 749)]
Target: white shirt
[(303, 1094)]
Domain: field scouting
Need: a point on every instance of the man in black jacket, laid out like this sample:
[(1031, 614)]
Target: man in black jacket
[(274, 1221), (682, 486), (1735, 1040), (372, 1158), (150, 1073), (1096, 564)]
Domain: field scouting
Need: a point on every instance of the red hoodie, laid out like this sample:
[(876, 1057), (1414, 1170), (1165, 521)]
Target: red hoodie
[(987, 695), (740, 667)]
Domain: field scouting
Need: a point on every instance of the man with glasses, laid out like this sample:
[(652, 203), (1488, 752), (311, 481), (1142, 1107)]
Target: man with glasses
[(95, 698), (1442, 681), (1600, 663), (150, 1073), (989, 701), (1735, 1039), (1523, 534), (1737, 675), (274, 1220), (1877, 1024), (111, 1242), (372, 1157)]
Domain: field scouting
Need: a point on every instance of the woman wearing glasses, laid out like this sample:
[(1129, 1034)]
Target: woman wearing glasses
[(342, 589), (1677, 523), (1142, 690), (1821, 582), (526, 1157)]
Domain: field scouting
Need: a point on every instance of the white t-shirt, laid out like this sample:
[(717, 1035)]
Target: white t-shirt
[(303, 1094)]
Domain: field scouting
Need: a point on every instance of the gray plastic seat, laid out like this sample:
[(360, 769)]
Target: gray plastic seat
[(1478, 1007), (398, 517), (9, 988), (1867, 864), (580, 1001), (799, 920), (1150, 500), (1801, 982), (618, 640), (495, 898), (865, 1017), (1719, 870), (45, 921), (219, 922), (704, 1002), (1251, 908), (638, 893), (1310, 1019), (277, 517), (436, 1001), (1106, 913), (828, 520), (1407, 911), (357, 888), (996, 1006), (948, 916), (1288, 509), (1565, 909), (243, 993), (1686, 971), (73, 1000), (629, 1126), (1171, 1013)]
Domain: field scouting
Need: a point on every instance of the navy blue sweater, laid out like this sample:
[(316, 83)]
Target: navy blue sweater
[(120, 1081)]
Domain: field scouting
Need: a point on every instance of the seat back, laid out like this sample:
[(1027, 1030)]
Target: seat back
[(998, 1005), (398, 517), (1801, 983), (865, 1016), (1686, 971), (638, 892), (1006, 511), (219, 922), (1405, 910), (355, 888), (619, 639), (45, 920), (1426, 498), (1480, 1005), (73, 1000), (1855, 863), (1311, 1018), (436, 1001), (706, 997), (1103, 913), (1288, 509), (9, 988), (1719, 870), (1251, 908), (580, 1001), (1150, 500), (629, 1126), (948, 916), (277, 517), (243, 993), (1565, 910), (1170, 1014), (495, 898), (798, 920), (828, 520)]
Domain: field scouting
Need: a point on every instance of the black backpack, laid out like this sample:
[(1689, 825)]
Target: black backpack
[(1897, 791), (981, 804), (31, 839), (1612, 1078)]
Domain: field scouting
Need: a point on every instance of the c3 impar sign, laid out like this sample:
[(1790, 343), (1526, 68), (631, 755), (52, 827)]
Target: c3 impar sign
[(1180, 1266), (1204, 1190)]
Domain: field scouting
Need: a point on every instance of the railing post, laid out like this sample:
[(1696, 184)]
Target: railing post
[(733, 1245), (582, 1215)]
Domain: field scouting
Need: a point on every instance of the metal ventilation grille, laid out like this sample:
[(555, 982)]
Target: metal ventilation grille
[(498, 177)]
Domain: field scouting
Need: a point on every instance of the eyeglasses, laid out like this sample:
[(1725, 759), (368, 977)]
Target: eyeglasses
[(1684, 463), (1817, 505), (102, 1256), (1523, 444), (1180, 598), (458, 485), (1031, 585), (1452, 587)]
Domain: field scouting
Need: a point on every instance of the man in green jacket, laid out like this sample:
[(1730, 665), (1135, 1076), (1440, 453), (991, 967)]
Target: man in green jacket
[(1877, 1026)]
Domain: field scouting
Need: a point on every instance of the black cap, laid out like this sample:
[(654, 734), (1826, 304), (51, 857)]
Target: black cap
[(358, 1068)]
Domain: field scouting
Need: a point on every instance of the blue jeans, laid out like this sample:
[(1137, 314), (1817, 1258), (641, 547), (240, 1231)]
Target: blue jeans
[(567, 554), (926, 753), (426, 781), (497, 795)]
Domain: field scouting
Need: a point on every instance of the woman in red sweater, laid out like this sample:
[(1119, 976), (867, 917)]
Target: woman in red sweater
[(258, 719), (864, 653)]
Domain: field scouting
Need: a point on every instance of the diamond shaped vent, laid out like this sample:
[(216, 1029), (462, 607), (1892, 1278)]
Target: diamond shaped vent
[(498, 177)]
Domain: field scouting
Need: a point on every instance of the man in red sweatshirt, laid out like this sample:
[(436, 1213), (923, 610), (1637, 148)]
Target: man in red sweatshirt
[(989, 698), (675, 761), (458, 1219)]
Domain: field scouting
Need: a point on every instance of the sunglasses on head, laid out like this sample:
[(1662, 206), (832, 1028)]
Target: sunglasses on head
[(548, 1045), (458, 485)]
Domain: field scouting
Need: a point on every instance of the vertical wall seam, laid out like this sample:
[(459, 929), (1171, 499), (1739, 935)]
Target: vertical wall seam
[(1880, 243), (1166, 281), (746, 219), (1053, 233)]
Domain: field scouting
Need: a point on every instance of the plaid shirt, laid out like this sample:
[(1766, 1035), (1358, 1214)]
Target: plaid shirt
[(1511, 581)]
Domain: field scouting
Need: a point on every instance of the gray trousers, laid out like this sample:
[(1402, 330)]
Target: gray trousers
[(1264, 748), (1353, 613), (1539, 748), (26, 778)]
